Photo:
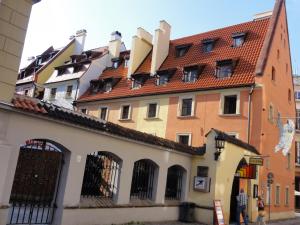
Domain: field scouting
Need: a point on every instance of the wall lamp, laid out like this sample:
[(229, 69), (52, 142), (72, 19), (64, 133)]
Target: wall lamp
[(220, 143)]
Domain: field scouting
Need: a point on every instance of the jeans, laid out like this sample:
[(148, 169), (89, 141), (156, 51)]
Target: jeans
[(241, 209)]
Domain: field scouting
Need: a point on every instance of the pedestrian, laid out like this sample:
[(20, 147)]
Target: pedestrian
[(261, 211), (242, 202)]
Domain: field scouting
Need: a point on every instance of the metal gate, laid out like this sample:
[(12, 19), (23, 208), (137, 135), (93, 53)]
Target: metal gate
[(36, 182)]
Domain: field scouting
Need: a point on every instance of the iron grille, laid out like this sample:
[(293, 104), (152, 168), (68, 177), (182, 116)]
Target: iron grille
[(34, 191), (174, 183), (101, 175), (142, 180)]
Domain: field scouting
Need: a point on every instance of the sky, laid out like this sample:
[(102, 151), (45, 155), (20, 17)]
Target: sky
[(52, 22)]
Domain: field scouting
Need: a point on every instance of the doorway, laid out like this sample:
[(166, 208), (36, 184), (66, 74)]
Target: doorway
[(233, 203)]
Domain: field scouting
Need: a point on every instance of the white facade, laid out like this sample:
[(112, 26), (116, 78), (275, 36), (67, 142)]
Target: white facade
[(79, 81)]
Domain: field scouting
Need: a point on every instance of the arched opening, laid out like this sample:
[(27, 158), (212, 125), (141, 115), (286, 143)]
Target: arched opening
[(175, 181), (144, 179), (36, 187), (101, 179), (243, 173)]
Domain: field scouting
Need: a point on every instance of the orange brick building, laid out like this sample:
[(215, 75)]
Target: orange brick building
[(236, 79)]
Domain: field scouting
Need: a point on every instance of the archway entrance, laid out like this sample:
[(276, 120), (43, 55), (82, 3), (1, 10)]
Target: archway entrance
[(36, 181)]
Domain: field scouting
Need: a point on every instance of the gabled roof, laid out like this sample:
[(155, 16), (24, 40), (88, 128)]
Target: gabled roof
[(244, 73), (37, 107)]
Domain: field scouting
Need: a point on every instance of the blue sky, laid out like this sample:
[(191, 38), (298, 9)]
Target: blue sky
[(53, 21)]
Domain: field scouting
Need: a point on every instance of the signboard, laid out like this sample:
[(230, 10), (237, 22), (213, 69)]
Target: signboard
[(219, 212), (256, 161), (246, 172), (202, 184)]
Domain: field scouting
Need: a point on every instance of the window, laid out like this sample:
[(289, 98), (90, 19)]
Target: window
[(268, 196), (208, 46), (233, 134), (53, 93), (271, 113), (202, 171), (186, 107), (69, 91), (238, 39), (289, 95), (277, 195), (273, 74), (230, 104), (224, 68), (26, 92), (190, 75), (174, 183), (136, 84), (84, 111), (298, 119), (297, 155), (126, 63), (77, 68), (152, 110), (278, 54), (287, 196), (60, 71), (288, 157), (103, 113), (181, 50), (184, 139), (163, 79), (125, 112), (115, 64), (107, 87)]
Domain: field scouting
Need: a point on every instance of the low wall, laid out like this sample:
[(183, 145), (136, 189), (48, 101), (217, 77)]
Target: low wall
[(204, 215), (3, 215), (108, 216)]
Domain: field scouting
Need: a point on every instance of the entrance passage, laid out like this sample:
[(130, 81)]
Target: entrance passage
[(233, 204), (36, 181)]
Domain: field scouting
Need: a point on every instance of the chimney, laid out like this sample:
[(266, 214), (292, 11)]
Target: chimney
[(79, 41), (160, 45), (263, 15), (140, 48), (114, 45)]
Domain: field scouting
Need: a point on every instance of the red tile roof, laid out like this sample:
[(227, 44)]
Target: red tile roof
[(243, 75)]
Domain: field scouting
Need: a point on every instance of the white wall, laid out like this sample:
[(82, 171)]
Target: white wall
[(20, 89)]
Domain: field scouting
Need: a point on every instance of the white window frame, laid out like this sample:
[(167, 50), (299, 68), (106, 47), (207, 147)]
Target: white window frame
[(157, 110), (107, 110), (184, 134), (121, 112), (52, 97), (179, 110), (222, 103)]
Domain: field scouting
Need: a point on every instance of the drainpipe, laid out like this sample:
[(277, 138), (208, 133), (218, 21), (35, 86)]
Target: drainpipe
[(78, 83), (249, 113)]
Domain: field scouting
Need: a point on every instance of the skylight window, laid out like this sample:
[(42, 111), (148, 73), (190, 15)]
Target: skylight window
[(162, 79), (238, 39), (190, 75), (181, 50), (208, 45), (225, 68)]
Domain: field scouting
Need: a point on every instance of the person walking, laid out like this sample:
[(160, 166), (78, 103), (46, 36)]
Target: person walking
[(242, 202), (261, 211)]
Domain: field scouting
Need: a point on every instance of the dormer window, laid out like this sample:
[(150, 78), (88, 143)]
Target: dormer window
[(208, 45), (238, 39), (137, 83), (126, 63), (225, 68), (162, 79), (107, 87), (181, 50), (77, 68), (139, 79), (115, 64), (61, 71), (190, 75), (163, 76)]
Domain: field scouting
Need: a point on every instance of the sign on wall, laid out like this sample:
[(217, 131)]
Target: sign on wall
[(202, 184), (256, 161), (218, 212), (246, 172)]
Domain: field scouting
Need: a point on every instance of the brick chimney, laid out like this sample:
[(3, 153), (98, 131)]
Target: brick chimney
[(160, 45), (114, 46), (140, 48)]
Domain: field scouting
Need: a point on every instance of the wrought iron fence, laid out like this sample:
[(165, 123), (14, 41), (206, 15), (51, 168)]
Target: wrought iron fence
[(174, 183), (101, 175), (142, 180)]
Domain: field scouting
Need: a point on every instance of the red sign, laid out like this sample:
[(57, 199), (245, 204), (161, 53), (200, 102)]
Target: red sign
[(247, 172), (219, 213)]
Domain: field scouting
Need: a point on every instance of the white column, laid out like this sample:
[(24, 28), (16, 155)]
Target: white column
[(160, 186), (125, 182)]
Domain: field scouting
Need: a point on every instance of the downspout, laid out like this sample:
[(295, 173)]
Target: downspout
[(249, 112), (74, 105)]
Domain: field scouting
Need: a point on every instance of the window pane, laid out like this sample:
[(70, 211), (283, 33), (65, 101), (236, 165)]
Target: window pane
[(186, 109), (107, 87), (238, 41), (230, 104), (152, 110), (190, 75), (103, 113), (184, 139), (208, 47), (163, 79), (125, 112), (202, 171), (224, 71)]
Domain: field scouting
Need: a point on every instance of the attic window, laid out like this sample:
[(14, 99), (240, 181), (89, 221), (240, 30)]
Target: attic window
[(238, 39), (163, 76), (181, 50), (163, 79), (115, 63), (61, 71), (77, 68), (208, 45), (190, 74), (225, 68), (94, 86), (137, 83), (107, 86)]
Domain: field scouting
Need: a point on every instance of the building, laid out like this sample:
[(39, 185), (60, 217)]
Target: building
[(71, 79), (227, 79), (31, 79), (297, 149)]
